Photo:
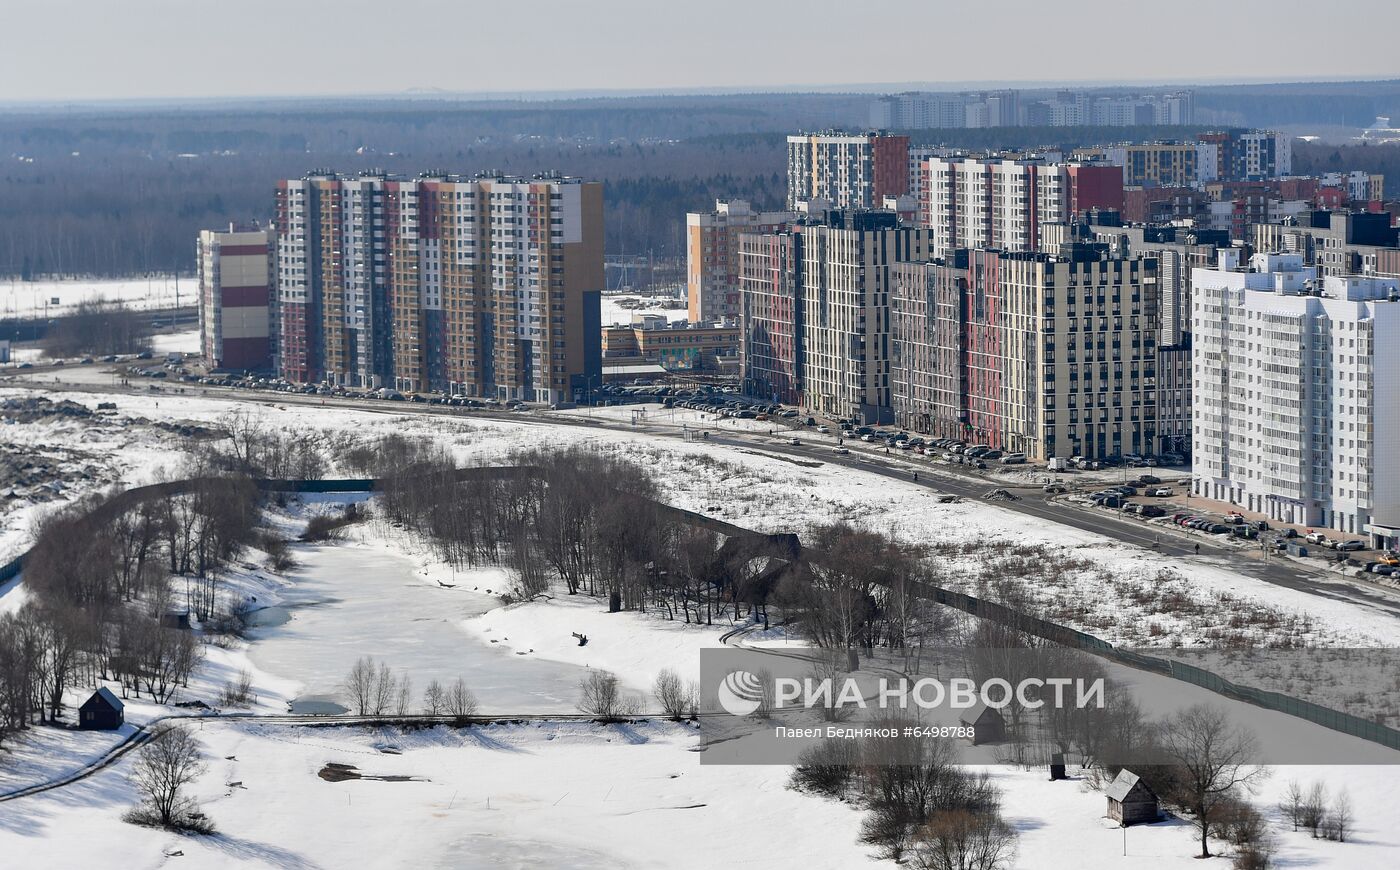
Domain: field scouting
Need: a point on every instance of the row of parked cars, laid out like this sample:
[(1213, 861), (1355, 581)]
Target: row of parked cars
[(949, 449)]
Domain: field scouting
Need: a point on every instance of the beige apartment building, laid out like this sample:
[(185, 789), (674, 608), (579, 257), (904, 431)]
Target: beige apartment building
[(712, 255), (486, 286), (1046, 354), (235, 277)]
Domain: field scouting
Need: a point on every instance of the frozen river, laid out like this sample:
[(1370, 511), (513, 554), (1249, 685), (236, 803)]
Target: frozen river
[(352, 600)]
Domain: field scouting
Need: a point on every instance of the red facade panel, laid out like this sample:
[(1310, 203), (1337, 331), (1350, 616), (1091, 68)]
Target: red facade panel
[(245, 353), (244, 297)]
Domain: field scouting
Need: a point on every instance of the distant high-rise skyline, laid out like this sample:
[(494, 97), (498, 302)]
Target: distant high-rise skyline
[(91, 49)]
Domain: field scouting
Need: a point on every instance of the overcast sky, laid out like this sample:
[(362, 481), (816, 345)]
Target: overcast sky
[(103, 49)]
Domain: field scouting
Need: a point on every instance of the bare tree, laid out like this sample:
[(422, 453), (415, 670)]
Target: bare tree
[(1211, 757), (362, 686), (601, 695), (163, 767), (239, 692), (459, 701), (1314, 810), (434, 699), (1291, 804), (1341, 816), (405, 699), (677, 699), (964, 840), (385, 690)]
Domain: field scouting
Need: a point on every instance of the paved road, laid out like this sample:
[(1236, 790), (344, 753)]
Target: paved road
[(1279, 571), (942, 478)]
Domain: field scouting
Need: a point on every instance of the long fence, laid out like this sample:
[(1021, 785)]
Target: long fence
[(788, 546)]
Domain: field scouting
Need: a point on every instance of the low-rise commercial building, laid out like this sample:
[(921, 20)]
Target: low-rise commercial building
[(678, 345)]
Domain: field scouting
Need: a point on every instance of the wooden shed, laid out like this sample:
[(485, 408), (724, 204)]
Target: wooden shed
[(102, 712), (175, 619), (1130, 800), (987, 724)]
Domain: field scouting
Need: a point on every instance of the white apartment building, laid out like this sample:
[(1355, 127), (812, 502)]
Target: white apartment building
[(974, 202), (1296, 394)]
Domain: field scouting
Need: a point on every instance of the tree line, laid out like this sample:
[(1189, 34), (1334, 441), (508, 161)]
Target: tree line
[(101, 606)]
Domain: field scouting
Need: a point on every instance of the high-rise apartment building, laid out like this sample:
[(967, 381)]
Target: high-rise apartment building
[(816, 308), (1297, 394), (770, 335), (1243, 155), (918, 110), (712, 255), (1339, 243), (235, 279), (975, 202), (847, 170), (1149, 164), (486, 286), (1047, 354)]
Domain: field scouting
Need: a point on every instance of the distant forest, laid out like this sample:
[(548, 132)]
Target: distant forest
[(114, 191)]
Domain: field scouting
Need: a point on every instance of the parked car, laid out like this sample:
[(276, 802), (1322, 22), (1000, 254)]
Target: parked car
[(840, 450), (1013, 459), (1383, 569), (1317, 538), (1152, 511), (1149, 478), (1159, 491), (824, 429), (1246, 532), (1350, 546)]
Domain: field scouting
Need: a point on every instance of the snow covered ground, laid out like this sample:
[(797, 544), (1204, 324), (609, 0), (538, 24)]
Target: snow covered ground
[(186, 341), (566, 795), (21, 299), (620, 308)]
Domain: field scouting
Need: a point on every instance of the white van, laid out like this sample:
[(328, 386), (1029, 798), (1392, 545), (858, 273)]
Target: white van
[(1058, 463)]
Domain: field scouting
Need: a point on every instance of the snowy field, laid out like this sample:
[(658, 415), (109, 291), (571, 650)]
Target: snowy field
[(620, 308), (565, 794), (21, 299), (186, 341)]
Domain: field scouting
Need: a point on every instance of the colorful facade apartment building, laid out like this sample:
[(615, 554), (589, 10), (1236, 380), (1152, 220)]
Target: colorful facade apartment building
[(712, 255), (816, 311), (991, 202), (1046, 354), (235, 280), (485, 286), (846, 170)]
